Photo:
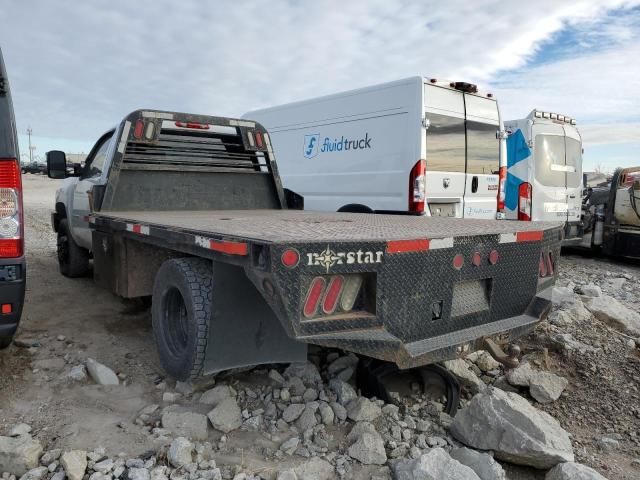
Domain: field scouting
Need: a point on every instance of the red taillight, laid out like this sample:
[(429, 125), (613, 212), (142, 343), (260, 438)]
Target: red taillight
[(524, 202), (332, 296), (259, 140), (313, 296), (417, 187), (494, 256), (138, 130), (6, 308), (476, 259), (193, 125), (550, 265), (11, 224), (290, 258), (501, 186), (458, 261), (543, 266)]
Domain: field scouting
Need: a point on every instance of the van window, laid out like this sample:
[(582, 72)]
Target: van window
[(549, 153), (574, 159), (445, 143), (483, 148)]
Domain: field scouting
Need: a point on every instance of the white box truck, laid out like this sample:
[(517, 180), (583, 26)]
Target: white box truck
[(544, 171), (417, 146)]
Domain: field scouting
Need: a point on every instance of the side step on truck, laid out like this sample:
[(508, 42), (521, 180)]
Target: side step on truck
[(189, 209)]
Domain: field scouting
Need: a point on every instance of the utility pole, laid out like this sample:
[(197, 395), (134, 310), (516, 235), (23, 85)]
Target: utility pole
[(31, 147)]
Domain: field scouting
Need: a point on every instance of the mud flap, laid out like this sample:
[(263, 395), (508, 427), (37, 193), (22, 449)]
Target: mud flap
[(243, 329)]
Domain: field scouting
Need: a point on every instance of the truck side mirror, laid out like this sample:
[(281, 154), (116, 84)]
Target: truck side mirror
[(56, 164)]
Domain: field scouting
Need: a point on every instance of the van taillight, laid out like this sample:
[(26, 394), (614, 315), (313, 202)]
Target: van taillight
[(417, 187), (501, 185), (11, 238), (524, 202)]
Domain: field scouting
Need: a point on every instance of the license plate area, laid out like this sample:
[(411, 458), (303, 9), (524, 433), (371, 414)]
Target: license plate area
[(442, 209)]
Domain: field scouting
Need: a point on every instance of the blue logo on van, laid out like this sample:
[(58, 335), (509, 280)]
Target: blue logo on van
[(310, 149)]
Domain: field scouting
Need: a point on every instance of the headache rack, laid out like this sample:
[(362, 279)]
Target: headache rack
[(163, 158)]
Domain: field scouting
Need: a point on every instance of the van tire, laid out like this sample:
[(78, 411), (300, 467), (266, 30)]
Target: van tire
[(180, 313), (72, 259), (355, 208)]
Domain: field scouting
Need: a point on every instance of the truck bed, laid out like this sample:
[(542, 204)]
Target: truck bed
[(274, 226)]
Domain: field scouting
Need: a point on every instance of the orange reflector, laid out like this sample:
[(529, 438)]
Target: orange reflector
[(231, 248), (550, 268), (543, 266), (334, 289), (534, 236), (494, 256), (404, 246), (6, 308), (313, 296)]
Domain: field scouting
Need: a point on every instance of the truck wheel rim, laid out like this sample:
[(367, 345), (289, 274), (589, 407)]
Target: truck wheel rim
[(175, 320)]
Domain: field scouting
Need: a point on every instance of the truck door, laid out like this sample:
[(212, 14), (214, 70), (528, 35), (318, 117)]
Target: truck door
[(483, 157), (573, 161), (445, 151), (90, 176), (549, 189)]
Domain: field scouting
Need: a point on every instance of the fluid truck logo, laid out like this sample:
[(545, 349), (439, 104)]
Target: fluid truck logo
[(312, 145), (328, 258)]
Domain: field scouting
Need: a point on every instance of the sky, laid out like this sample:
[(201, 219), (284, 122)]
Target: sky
[(77, 67)]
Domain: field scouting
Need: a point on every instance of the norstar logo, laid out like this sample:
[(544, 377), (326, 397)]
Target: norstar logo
[(328, 258), (312, 144)]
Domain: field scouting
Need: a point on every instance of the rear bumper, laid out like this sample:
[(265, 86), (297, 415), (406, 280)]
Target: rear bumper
[(12, 288), (379, 343)]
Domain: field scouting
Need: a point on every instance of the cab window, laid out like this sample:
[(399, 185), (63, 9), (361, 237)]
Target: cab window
[(95, 163), (445, 143), (483, 148)]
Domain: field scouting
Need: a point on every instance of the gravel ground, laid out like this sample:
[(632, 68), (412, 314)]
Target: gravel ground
[(69, 321)]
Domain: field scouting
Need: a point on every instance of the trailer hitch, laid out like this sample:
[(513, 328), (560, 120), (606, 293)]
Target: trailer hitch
[(509, 359)]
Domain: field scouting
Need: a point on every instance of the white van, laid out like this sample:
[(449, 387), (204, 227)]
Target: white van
[(544, 171), (417, 146)]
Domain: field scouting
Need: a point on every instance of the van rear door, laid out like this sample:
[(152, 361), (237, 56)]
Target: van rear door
[(445, 151), (573, 161), (483, 157), (549, 189)]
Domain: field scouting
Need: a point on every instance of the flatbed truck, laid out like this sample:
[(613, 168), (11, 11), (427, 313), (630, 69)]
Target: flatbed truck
[(189, 209)]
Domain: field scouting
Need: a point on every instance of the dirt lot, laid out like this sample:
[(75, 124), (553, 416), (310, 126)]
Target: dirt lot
[(72, 320)]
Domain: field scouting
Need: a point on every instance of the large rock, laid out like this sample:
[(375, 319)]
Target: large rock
[(226, 416), (460, 369), (19, 455), (610, 311), (369, 449), (435, 465), (573, 471), (569, 302), (547, 387), (517, 432), (482, 463), (292, 412), (74, 464), (186, 424), (315, 469), (306, 371), (101, 374), (343, 390), (363, 409), (215, 395), (180, 452), (35, 474)]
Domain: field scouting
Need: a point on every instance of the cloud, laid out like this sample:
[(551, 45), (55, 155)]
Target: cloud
[(76, 68)]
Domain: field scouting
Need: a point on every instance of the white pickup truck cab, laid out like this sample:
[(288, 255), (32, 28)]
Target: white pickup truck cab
[(417, 145), (70, 218), (544, 171)]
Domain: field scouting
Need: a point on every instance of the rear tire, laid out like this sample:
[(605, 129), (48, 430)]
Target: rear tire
[(72, 259), (5, 342), (355, 208), (180, 311)]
